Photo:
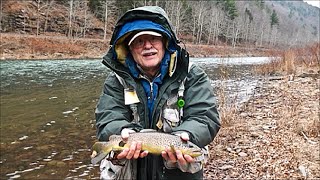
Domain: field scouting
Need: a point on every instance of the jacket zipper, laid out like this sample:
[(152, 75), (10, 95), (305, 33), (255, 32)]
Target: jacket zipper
[(151, 90)]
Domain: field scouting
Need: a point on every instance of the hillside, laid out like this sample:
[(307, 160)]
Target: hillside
[(234, 27)]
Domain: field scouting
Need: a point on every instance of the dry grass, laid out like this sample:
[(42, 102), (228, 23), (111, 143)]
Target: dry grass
[(227, 108), (15, 46), (49, 46), (278, 129), (279, 133), (291, 61)]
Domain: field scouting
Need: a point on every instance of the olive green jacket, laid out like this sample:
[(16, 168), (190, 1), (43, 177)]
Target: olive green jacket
[(200, 117)]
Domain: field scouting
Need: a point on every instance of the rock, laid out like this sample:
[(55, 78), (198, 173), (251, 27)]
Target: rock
[(23, 138), (255, 134), (56, 163), (244, 115), (303, 171), (276, 78), (225, 167), (243, 154), (52, 163), (229, 149), (61, 164), (44, 148), (67, 112), (267, 127)]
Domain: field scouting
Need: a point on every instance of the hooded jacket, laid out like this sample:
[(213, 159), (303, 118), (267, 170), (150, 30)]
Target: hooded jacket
[(200, 117)]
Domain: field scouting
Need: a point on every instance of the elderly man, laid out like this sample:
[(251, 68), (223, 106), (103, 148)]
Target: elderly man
[(151, 74)]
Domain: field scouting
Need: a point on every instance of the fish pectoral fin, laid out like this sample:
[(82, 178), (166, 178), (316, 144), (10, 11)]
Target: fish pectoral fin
[(172, 148)]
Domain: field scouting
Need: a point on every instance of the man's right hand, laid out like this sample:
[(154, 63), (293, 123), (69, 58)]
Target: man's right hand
[(134, 151)]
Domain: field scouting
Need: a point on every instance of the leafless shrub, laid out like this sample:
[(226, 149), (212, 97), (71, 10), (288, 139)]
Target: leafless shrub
[(288, 62)]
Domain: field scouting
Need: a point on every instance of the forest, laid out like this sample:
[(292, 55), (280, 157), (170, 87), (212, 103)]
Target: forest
[(256, 23)]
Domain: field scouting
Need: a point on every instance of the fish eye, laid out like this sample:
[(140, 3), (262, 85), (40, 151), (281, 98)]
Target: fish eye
[(121, 143), (190, 145)]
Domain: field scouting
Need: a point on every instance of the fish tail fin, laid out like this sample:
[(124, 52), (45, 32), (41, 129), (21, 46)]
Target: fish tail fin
[(102, 147), (99, 151)]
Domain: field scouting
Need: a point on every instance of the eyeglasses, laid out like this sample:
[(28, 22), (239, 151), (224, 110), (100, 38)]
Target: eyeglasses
[(140, 42)]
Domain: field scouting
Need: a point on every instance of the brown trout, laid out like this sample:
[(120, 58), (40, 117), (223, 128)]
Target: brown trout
[(153, 142)]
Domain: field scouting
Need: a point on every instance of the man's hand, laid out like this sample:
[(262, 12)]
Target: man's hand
[(134, 151), (177, 156)]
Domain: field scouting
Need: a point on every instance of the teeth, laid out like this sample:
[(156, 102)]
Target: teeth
[(149, 54)]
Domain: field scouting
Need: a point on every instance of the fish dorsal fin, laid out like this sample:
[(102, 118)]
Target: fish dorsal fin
[(115, 137)]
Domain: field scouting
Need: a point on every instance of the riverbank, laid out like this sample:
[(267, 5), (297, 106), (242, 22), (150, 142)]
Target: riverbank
[(275, 135), (18, 46)]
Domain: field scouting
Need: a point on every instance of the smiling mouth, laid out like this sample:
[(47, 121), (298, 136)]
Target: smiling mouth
[(149, 54)]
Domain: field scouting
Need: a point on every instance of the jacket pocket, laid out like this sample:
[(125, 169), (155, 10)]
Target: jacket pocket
[(126, 170), (170, 119)]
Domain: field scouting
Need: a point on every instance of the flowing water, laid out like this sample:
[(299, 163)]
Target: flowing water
[(47, 112)]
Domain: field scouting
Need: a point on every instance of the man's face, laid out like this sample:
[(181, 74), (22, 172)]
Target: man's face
[(148, 51)]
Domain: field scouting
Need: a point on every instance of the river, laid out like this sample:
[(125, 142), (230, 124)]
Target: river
[(47, 111)]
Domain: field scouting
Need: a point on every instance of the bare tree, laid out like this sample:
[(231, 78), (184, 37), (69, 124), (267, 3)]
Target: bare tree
[(235, 33), (105, 20), (177, 15), (0, 15), (49, 5), (199, 13), (70, 18), (214, 24), (85, 25), (39, 8)]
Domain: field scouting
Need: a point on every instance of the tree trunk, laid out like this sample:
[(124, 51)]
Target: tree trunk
[(105, 21), (49, 4), (38, 16), (70, 18), (194, 29), (178, 14), (216, 28), (210, 29), (201, 29), (0, 15), (85, 20)]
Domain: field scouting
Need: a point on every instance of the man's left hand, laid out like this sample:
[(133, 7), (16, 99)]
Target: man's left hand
[(177, 156)]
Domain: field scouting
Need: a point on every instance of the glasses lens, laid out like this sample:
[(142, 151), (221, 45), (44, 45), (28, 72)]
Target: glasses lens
[(140, 42), (156, 40)]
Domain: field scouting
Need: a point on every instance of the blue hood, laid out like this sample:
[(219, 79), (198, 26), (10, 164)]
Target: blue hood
[(139, 25), (129, 28)]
